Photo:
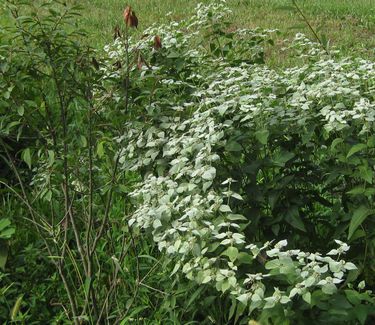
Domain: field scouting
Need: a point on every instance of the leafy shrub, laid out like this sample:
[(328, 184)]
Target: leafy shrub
[(73, 261), (236, 158), (166, 177)]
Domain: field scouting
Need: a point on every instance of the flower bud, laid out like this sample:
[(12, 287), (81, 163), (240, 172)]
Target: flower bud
[(140, 62), (130, 18), (126, 14), (116, 33), (157, 42)]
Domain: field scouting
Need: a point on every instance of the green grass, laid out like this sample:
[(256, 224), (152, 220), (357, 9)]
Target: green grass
[(348, 24)]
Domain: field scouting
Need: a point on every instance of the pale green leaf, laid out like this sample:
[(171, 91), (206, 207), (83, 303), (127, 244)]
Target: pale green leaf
[(358, 217), (232, 253), (356, 148), (26, 156), (262, 136)]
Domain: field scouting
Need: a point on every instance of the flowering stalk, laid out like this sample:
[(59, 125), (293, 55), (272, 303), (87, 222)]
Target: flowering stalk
[(130, 20)]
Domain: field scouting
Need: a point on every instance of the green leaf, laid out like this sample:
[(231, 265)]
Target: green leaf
[(356, 148), (83, 141), (283, 157), (317, 298), (7, 233), (5, 230), (51, 157), (369, 191), (235, 217), (233, 146), (336, 142), (270, 302), (240, 309), (173, 55), (352, 275), (371, 142), (20, 110), (100, 149), (132, 314), (329, 288), (294, 219), (231, 252), (3, 253), (48, 196), (366, 173), (195, 295), (243, 298), (359, 233), (225, 285), (361, 312), (176, 268), (245, 258), (26, 157), (206, 279), (357, 190), (209, 174), (307, 297), (232, 309), (359, 216), (4, 223), (16, 308), (157, 224), (225, 208), (237, 196), (87, 284), (273, 264), (262, 136), (353, 296)]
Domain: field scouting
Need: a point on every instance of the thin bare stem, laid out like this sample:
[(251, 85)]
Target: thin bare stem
[(31, 211), (127, 72), (309, 25), (108, 206)]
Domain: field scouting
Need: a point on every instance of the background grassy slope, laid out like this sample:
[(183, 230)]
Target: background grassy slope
[(348, 24)]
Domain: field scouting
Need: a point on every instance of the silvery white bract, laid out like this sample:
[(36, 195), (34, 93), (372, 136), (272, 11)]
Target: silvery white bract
[(177, 201)]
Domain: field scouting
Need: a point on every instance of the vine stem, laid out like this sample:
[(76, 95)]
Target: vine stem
[(127, 72), (295, 4)]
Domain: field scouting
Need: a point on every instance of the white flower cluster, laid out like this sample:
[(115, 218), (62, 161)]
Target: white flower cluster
[(191, 217)]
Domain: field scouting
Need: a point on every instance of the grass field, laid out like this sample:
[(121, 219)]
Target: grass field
[(348, 24)]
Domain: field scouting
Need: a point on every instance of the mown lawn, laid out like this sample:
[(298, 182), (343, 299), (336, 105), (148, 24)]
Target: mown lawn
[(348, 24)]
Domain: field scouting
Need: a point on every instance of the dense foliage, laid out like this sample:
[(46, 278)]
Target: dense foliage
[(176, 178)]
